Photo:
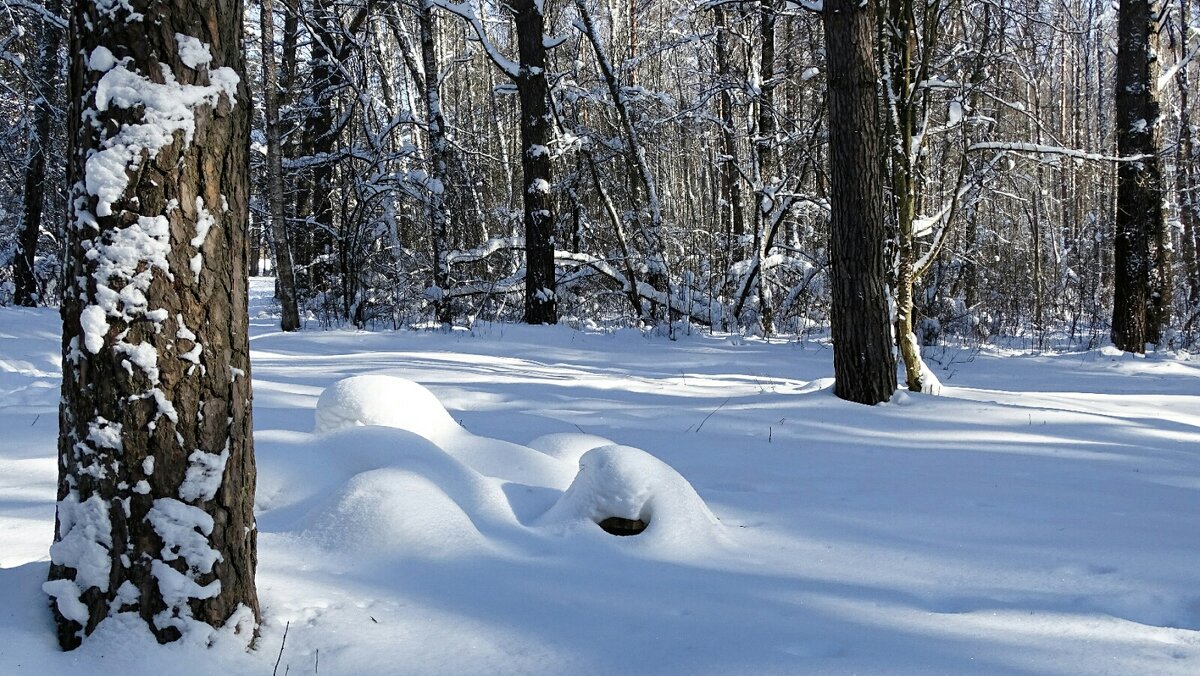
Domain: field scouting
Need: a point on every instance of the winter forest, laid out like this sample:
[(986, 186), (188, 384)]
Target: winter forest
[(599, 336)]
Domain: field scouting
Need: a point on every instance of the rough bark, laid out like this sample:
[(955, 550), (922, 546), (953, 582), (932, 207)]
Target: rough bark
[(864, 365), (156, 464), (1139, 183), (533, 91), (285, 275)]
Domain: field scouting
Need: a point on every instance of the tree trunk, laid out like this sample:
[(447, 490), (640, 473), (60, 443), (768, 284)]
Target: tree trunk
[(864, 365), (320, 139), (532, 89), (730, 187), (285, 275), (1139, 183), (24, 272), (439, 163), (767, 165), (156, 463), (1186, 184)]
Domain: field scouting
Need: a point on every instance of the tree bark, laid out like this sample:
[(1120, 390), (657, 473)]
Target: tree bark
[(864, 365), (1139, 183), (541, 300), (767, 164), (285, 274), (156, 464)]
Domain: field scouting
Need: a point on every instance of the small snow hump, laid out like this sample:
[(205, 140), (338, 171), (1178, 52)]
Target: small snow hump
[(626, 491), (386, 401)]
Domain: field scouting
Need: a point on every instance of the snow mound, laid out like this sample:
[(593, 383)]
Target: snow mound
[(568, 446), (386, 401), (628, 483), (300, 475), (395, 511)]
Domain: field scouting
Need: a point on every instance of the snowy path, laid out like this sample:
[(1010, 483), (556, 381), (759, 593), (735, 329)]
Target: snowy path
[(1041, 517)]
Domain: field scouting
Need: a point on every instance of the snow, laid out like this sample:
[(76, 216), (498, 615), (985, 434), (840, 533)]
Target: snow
[(624, 482), (202, 478), (101, 59), (386, 401), (167, 108), (954, 113), (427, 504), (192, 52), (94, 321)]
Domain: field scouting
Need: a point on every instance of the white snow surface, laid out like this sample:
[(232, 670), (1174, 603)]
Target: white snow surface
[(1040, 516)]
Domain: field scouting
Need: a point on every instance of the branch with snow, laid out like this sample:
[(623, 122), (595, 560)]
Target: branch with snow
[(465, 12), (1019, 147)]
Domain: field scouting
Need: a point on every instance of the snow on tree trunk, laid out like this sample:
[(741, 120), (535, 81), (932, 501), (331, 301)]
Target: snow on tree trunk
[(541, 300), (1139, 184), (863, 362), (157, 475)]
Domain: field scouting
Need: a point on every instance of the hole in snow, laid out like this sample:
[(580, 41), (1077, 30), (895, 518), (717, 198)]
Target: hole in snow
[(615, 525)]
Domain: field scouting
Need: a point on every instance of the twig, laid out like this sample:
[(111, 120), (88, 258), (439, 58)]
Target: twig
[(711, 415), (281, 645)]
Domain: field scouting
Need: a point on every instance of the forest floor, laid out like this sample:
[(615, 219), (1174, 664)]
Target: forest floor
[(1041, 516)]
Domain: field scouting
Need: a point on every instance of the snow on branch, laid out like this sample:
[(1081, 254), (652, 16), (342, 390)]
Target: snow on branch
[(465, 12), (1165, 78), (484, 250), (1019, 147)]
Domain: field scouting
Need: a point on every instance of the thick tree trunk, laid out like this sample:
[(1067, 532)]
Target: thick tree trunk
[(864, 365), (285, 274), (1139, 183), (24, 273), (156, 464), (540, 296)]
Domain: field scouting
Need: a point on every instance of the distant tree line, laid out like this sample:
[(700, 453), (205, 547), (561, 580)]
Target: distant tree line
[(637, 161)]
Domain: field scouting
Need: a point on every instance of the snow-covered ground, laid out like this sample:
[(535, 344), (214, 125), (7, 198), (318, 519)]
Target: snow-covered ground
[(1042, 516)]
